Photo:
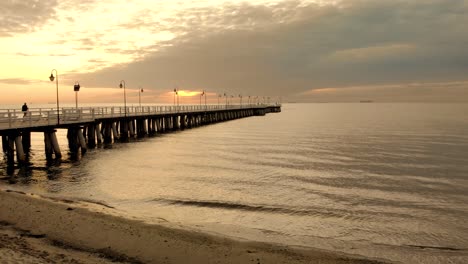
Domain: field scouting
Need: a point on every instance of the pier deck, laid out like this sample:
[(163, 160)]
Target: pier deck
[(88, 126), (41, 117)]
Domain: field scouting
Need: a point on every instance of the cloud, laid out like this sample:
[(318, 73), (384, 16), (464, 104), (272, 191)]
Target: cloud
[(403, 92), (22, 16), (370, 54), (19, 81), (293, 46)]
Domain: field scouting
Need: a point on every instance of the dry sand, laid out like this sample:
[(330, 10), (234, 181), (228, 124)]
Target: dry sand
[(35, 229)]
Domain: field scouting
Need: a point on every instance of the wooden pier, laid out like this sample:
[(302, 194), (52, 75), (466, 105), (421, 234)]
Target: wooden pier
[(88, 127)]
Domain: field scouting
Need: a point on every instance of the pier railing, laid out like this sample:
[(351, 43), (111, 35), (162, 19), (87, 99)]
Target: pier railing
[(15, 118)]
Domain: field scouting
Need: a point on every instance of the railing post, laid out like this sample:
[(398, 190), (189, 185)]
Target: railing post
[(9, 119)]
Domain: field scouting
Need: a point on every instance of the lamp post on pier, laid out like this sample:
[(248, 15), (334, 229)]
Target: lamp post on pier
[(51, 78), (125, 96), (225, 96), (140, 90), (202, 94), (176, 93), (76, 88), (205, 95), (240, 96)]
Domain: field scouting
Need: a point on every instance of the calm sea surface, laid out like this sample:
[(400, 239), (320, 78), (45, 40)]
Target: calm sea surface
[(379, 180)]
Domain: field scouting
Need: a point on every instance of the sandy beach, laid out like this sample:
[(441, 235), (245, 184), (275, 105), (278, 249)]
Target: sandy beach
[(36, 229)]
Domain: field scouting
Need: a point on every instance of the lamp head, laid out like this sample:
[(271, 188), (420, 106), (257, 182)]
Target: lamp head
[(76, 87), (51, 77), (121, 86), (141, 90)]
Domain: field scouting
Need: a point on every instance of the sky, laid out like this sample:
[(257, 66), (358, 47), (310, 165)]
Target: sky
[(288, 50)]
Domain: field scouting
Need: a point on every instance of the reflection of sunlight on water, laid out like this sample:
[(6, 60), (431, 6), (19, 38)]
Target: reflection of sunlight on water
[(321, 175)]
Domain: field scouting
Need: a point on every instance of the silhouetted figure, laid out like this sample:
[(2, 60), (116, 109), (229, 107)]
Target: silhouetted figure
[(25, 108)]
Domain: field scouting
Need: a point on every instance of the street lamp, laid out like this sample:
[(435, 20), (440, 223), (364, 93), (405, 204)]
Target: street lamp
[(139, 96), (56, 83), (202, 94), (76, 88), (125, 96), (176, 93), (225, 96), (240, 96), (249, 101)]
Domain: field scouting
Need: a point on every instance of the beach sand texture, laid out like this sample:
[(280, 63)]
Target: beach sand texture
[(36, 229)]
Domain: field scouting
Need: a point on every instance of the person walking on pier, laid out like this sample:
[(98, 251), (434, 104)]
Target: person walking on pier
[(25, 108)]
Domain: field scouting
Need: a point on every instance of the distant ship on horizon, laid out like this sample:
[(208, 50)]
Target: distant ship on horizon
[(366, 101)]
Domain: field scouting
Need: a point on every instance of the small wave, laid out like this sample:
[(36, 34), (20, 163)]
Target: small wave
[(321, 212), (96, 202), (224, 205), (250, 208), (436, 247)]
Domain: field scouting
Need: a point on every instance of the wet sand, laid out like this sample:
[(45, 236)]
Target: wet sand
[(36, 229)]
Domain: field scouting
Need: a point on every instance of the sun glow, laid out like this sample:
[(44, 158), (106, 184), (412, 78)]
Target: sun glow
[(189, 93)]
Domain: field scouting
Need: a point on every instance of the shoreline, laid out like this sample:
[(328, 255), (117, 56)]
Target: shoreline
[(97, 229)]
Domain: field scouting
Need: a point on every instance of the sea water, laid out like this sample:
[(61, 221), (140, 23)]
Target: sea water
[(385, 181)]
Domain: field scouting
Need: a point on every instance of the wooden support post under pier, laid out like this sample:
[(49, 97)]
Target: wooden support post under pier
[(51, 145), (72, 136), (107, 132), (166, 123), (11, 150), (19, 149), (49, 150), (55, 145), (149, 123), (124, 130), (175, 122), (91, 136), (5, 143), (82, 141), (158, 125), (97, 129), (131, 128), (26, 140), (182, 122), (114, 131)]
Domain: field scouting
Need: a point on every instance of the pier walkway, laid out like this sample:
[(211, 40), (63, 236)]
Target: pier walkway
[(89, 126)]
